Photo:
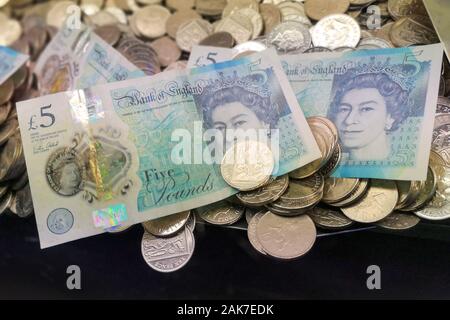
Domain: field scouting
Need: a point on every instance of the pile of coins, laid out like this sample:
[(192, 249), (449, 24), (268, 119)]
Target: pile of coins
[(15, 193), (282, 212)]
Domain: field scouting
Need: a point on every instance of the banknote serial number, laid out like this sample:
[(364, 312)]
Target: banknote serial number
[(226, 310)]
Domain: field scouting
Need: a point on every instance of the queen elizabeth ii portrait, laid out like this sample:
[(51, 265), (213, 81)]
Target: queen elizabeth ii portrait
[(232, 103), (366, 108), (65, 172)]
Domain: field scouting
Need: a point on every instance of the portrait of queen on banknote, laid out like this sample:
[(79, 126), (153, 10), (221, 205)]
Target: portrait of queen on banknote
[(243, 106), (235, 105), (366, 108)]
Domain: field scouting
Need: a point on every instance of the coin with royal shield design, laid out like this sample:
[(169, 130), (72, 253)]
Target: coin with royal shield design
[(168, 254)]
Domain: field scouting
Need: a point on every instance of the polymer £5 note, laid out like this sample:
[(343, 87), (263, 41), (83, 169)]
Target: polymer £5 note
[(382, 102), (77, 58), (127, 152), (10, 61)]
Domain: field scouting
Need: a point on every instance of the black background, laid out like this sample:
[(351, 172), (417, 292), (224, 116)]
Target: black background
[(413, 264)]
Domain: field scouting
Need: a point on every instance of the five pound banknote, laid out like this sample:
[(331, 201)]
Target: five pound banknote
[(382, 102), (127, 152), (77, 58)]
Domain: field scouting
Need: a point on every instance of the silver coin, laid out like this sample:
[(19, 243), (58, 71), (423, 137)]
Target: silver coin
[(439, 206), (246, 48), (336, 30), (251, 232), (168, 254), (286, 237), (290, 37), (441, 136)]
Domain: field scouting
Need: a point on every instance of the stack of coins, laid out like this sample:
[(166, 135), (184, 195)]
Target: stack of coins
[(287, 209), (15, 193), (158, 35), (29, 36)]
